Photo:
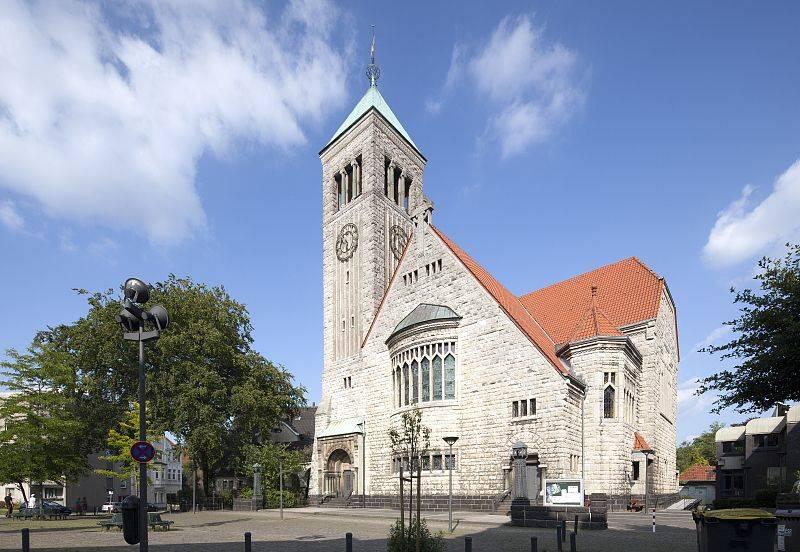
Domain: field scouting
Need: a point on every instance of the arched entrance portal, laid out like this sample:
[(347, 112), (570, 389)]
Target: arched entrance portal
[(339, 475)]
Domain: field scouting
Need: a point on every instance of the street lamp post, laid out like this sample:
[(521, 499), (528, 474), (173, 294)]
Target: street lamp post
[(132, 318), (519, 451), (450, 440), (363, 426)]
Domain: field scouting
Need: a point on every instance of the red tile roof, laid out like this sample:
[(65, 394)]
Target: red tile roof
[(698, 472), (627, 292), (509, 303), (639, 443), (593, 322)]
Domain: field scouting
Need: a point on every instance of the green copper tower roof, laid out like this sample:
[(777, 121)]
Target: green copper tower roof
[(372, 98)]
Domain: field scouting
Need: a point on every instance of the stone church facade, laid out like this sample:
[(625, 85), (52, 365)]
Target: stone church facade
[(584, 371)]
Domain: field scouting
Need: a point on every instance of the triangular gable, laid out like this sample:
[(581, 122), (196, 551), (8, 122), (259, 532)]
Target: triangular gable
[(388, 287), (508, 302), (593, 323)]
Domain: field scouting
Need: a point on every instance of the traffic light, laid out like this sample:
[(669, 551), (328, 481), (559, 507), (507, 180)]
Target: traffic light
[(130, 519)]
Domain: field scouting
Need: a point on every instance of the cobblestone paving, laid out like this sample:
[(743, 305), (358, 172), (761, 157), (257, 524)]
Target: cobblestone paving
[(323, 532)]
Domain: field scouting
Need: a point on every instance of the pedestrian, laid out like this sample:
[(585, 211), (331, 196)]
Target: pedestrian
[(9, 505), (84, 506), (78, 506)]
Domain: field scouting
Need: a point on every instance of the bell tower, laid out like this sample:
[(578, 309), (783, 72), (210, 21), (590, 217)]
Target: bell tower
[(371, 185)]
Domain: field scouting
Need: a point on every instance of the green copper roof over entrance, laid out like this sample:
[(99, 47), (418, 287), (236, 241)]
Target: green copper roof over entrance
[(372, 98)]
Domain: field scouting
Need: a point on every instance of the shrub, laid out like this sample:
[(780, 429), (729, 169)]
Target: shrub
[(273, 499), (428, 542)]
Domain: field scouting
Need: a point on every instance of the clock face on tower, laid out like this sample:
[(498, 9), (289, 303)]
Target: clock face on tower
[(397, 240), (347, 242)]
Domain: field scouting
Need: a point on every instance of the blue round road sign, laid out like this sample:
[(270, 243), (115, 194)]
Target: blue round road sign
[(142, 452)]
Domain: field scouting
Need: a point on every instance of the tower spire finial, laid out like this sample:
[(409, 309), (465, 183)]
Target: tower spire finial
[(373, 71)]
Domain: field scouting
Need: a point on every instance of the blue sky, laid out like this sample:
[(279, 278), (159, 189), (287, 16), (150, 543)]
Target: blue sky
[(148, 139)]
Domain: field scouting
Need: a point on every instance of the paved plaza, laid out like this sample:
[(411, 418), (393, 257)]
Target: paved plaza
[(323, 530)]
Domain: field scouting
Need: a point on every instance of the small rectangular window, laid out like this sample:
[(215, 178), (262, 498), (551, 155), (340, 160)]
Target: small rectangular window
[(426, 463), (532, 408), (439, 262), (437, 462), (515, 409), (523, 408), (636, 471), (449, 462)]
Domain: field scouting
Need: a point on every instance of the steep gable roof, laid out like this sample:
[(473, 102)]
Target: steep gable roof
[(639, 444), (627, 292), (593, 323), (372, 99), (508, 302)]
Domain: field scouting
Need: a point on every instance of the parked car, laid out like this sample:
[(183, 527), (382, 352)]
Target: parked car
[(51, 508), (112, 507)]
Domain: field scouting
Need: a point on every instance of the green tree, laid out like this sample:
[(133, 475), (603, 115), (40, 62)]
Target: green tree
[(766, 349), (270, 456), (205, 382), (410, 443), (700, 450), (119, 443), (42, 438)]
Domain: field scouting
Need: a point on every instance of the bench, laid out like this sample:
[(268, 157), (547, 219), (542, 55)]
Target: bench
[(155, 521), (115, 521), (33, 513)]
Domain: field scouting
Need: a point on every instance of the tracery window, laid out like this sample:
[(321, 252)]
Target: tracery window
[(424, 373)]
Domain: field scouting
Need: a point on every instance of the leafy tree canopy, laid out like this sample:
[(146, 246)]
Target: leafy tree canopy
[(43, 414), (700, 450), (766, 348), (205, 383)]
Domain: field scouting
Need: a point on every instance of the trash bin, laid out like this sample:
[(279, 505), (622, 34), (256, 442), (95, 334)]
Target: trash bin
[(739, 528), (788, 530)]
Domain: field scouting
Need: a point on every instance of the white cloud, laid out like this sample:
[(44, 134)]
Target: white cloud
[(10, 217), (742, 231), (715, 336), (532, 86), (691, 403), (106, 124)]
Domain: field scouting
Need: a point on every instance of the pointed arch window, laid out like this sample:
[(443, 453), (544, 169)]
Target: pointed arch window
[(426, 380), (405, 383), (609, 395), (414, 382), (449, 377), (437, 378)]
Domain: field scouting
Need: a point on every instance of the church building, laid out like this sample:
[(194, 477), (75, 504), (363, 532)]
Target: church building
[(583, 372)]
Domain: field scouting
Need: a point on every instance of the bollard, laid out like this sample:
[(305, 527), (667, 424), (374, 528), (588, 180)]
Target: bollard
[(534, 544), (654, 520), (247, 542), (26, 540), (467, 544), (572, 542), (559, 548), (348, 542), (576, 524)]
